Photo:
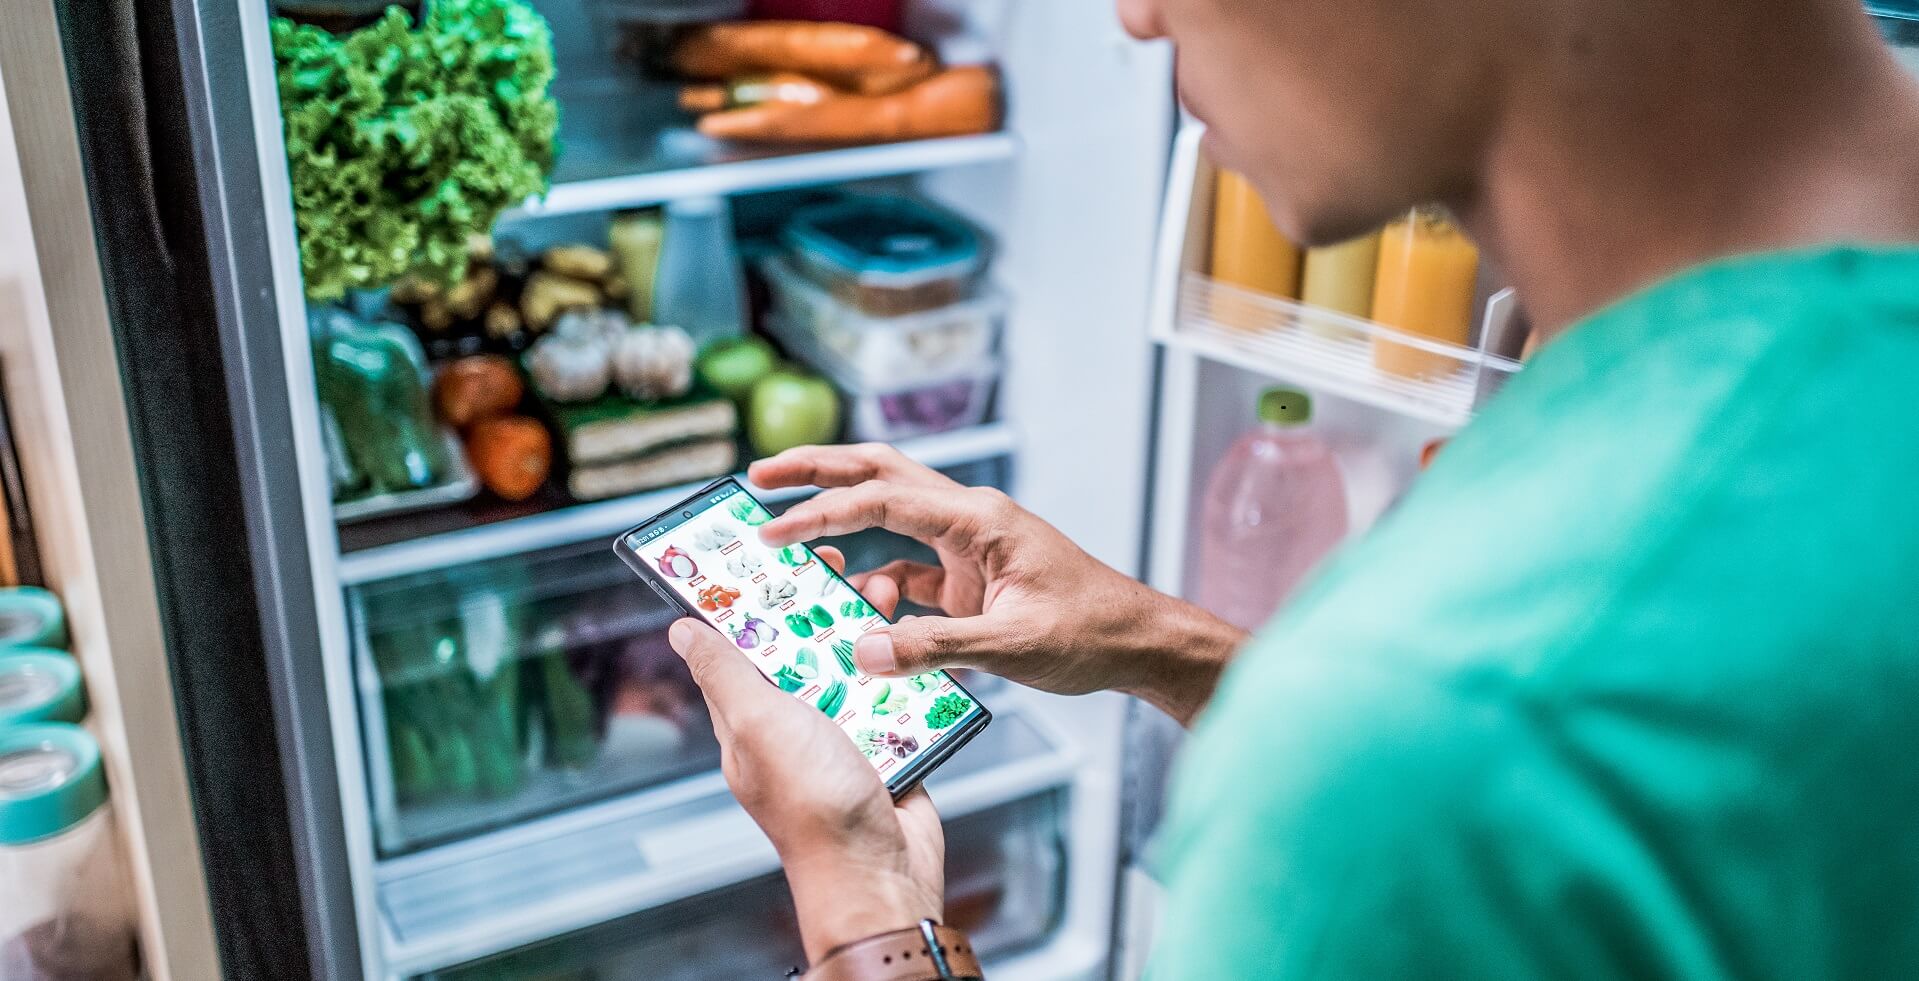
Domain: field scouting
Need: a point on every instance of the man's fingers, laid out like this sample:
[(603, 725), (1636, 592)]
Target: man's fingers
[(881, 592), (731, 684), (917, 645), (918, 582), (929, 514), (919, 804), (833, 557), (842, 466)]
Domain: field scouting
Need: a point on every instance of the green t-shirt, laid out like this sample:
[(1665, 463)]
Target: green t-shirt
[(1628, 687)]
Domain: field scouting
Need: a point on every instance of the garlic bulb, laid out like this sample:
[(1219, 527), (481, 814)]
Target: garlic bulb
[(653, 363), (570, 367)]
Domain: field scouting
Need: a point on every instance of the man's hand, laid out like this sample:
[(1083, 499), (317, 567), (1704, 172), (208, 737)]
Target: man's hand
[(1021, 600), (857, 863)]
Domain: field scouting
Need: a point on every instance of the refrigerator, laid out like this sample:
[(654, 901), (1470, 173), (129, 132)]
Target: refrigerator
[(295, 640)]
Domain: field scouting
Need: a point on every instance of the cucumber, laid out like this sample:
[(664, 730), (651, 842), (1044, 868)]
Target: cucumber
[(834, 697), (571, 737), (413, 775)]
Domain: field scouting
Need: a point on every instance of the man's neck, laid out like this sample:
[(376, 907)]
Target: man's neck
[(1641, 153)]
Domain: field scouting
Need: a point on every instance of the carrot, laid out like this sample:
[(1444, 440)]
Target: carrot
[(955, 102), (753, 90), (511, 454), (860, 59)]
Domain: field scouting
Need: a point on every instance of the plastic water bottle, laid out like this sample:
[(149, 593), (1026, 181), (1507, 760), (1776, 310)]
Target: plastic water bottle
[(699, 287), (1274, 507)]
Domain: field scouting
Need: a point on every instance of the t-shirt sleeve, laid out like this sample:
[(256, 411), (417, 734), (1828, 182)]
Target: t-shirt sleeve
[(1332, 821)]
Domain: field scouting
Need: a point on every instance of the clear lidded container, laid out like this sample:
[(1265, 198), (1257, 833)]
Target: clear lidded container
[(880, 350), (39, 685), (64, 908), (886, 256)]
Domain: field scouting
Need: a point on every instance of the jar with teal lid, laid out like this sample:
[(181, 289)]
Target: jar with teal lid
[(39, 684), (67, 913), (31, 617)]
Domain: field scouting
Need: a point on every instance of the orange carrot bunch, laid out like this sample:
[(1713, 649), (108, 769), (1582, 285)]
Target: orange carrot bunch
[(824, 83)]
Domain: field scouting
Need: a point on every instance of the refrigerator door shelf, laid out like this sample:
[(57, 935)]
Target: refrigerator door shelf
[(1005, 887), (1291, 341), (480, 897)]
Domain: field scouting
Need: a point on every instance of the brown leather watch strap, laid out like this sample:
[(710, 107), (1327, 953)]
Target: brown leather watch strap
[(928, 952)]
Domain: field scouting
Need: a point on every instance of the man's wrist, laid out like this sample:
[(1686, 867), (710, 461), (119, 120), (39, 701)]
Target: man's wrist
[(1186, 649), (839, 904)]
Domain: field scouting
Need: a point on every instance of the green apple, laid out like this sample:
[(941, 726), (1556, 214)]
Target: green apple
[(731, 367), (791, 408)]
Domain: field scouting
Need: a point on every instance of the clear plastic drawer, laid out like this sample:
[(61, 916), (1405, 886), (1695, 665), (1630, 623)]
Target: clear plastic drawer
[(1004, 883)]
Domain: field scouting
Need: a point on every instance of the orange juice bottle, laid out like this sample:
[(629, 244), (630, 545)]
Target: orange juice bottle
[(1248, 252), (1427, 267)]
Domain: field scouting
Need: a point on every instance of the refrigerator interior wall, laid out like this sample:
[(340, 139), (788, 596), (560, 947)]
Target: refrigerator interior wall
[(1005, 887)]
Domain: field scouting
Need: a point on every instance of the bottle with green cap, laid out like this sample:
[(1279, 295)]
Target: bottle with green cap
[(1272, 510), (66, 913)]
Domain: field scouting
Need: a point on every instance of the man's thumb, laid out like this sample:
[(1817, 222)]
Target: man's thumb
[(717, 666), (922, 644)]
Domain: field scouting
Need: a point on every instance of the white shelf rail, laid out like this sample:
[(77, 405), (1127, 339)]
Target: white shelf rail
[(583, 522), (768, 173)]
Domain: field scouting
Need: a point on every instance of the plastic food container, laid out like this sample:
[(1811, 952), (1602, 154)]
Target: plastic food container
[(40, 685), (66, 912), (886, 256), (897, 349), (883, 411)]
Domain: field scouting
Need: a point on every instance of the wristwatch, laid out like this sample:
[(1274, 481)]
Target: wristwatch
[(927, 952)]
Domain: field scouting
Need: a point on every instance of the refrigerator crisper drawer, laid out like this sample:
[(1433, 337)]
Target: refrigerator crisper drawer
[(494, 693), (1005, 875), (550, 878)]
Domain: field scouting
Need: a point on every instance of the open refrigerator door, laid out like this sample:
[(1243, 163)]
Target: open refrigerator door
[(1220, 346)]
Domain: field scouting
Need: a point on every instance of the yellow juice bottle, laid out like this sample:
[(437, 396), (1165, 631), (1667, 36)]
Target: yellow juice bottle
[(1248, 252), (1340, 278), (1427, 268)]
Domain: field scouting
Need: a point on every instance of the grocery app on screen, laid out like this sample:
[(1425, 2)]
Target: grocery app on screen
[(798, 620)]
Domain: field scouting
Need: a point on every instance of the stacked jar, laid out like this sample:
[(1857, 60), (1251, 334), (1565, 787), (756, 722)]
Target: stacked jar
[(65, 912)]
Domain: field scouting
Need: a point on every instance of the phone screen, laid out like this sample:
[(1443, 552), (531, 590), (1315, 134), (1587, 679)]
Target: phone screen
[(798, 620)]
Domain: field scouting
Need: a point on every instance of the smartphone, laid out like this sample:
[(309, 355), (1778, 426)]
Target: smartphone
[(797, 620)]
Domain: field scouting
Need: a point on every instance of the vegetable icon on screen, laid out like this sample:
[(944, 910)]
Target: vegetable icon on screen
[(773, 592), (832, 699), (948, 709), (717, 536), (888, 701), (749, 511), (843, 652), (788, 679), (716, 597), (676, 564), (752, 632), (745, 563)]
